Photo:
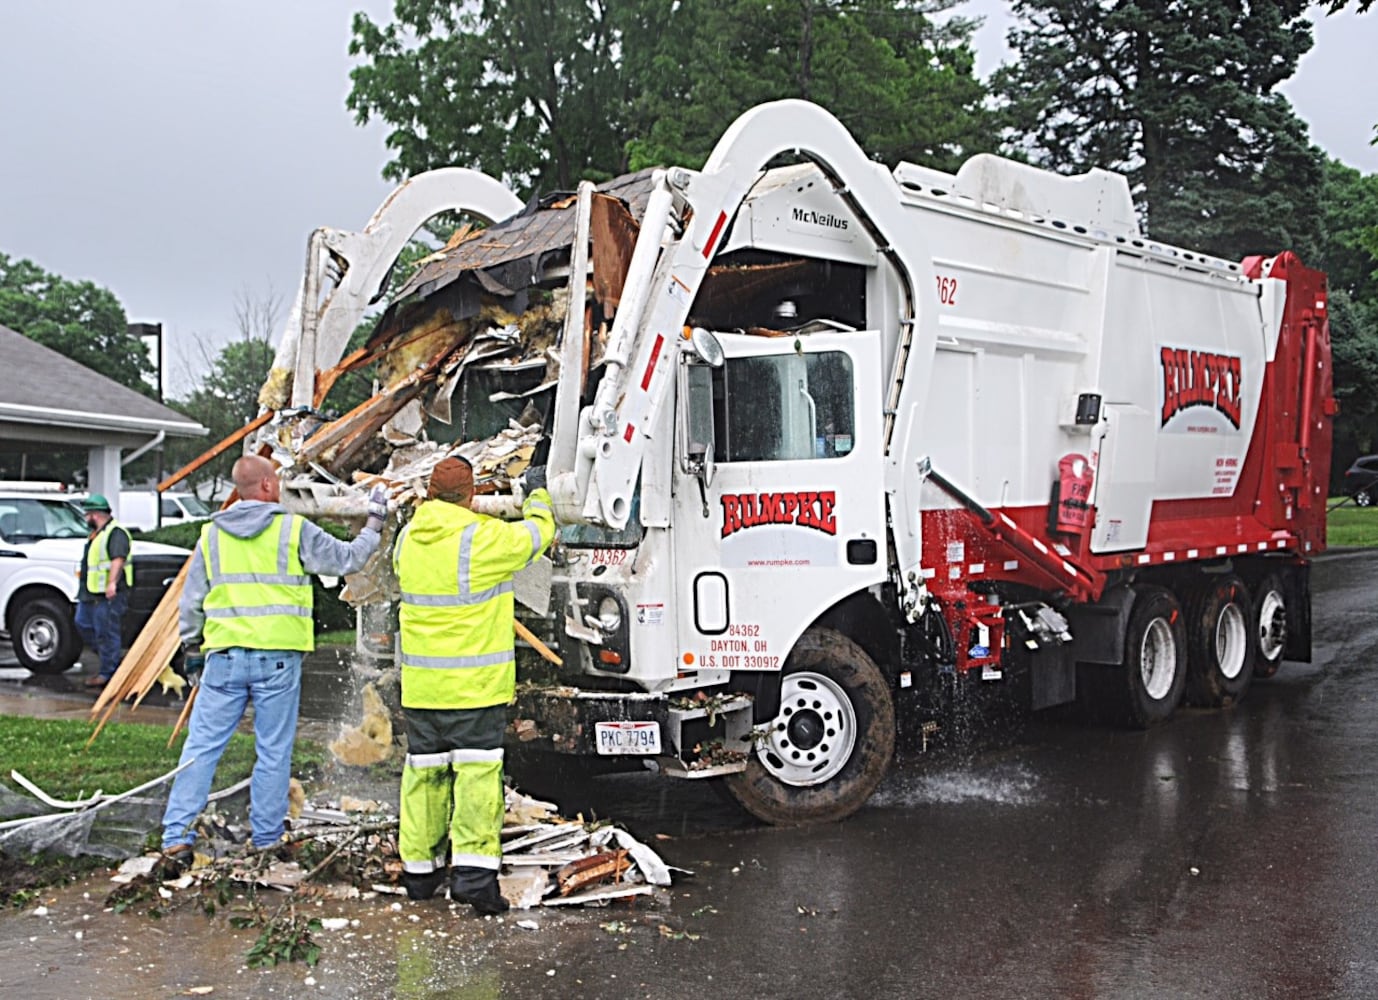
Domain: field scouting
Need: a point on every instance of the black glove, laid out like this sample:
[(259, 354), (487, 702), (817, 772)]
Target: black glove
[(192, 665), (533, 479), (377, 508)]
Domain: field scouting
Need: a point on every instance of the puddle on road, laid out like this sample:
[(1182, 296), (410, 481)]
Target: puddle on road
[(1006, 786), (74, 947)]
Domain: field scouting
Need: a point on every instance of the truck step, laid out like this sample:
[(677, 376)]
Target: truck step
[(673, 767)]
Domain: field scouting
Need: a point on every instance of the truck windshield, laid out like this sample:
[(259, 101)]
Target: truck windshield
[(784, 407), (27, 519)]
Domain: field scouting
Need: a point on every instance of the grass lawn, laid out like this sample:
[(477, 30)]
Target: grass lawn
[(52, 753), (1349, 526), (335, 637)]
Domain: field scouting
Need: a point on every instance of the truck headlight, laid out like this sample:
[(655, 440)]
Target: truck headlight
[(609, 615)]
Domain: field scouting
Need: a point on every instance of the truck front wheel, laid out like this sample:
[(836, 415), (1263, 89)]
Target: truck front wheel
[(824, 754), (45, 636), (1155, 657)]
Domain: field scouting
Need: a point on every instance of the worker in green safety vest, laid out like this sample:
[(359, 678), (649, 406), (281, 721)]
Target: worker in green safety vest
[(103, 582), (458, 665), (245, 620)]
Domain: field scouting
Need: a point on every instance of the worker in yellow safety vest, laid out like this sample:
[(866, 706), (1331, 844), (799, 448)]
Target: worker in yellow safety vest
[(103, 582), (455, 567), (246, 618)]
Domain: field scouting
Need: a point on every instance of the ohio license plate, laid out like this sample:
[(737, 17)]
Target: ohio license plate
[(628, 737)]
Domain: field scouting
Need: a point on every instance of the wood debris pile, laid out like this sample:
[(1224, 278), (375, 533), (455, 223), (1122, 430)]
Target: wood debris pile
[(347, 850)]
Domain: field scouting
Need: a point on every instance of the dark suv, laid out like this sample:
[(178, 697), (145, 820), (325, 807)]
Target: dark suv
[(1361, 480)]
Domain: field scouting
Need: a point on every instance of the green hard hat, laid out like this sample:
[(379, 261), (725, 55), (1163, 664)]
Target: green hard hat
[(96, 502)]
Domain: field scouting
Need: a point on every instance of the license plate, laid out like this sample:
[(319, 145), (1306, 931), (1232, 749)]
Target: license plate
[(628, 737)]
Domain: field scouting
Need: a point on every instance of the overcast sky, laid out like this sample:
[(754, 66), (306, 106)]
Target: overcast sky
[(179, 152)]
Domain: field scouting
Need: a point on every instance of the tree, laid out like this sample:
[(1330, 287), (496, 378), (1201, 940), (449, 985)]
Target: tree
[(78, 319), (1349, 255), (1349, 250), (520, 89), (903, 84), (1181, 97), (227, 396), (546, 94)]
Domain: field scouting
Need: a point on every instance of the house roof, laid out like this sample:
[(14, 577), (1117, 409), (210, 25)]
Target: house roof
[(51, 389)]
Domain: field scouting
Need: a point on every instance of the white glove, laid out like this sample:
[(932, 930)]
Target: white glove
[(377, 508)]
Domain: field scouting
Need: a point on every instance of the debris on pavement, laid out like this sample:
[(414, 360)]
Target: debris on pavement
[(331, 852)]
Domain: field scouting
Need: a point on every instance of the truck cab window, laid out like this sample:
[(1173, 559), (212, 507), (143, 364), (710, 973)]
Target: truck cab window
[(785, 407)]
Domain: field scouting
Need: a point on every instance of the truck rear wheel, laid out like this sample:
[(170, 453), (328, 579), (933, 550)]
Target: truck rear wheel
[(1155, 658), (1270, 625), (1220, 638), (824, 754), (45, 636)]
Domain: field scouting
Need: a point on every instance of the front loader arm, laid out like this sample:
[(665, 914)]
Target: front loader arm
[(615, 428), (318, 328)]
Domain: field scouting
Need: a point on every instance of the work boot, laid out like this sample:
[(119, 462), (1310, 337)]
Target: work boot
[(422, 886), (173, 862), (487, 901)]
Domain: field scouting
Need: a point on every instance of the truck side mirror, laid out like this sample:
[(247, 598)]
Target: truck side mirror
[(696, 420)]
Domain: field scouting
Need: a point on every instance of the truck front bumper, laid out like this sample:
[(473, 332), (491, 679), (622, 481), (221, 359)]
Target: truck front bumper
[(698, 738)]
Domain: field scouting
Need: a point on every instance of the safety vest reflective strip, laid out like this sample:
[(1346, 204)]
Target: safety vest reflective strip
[(259, 595), (441, 609), (98, 562)]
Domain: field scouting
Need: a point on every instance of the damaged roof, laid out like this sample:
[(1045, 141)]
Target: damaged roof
[(513, 254)]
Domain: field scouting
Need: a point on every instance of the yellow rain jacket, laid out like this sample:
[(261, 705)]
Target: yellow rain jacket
[(455, 570)]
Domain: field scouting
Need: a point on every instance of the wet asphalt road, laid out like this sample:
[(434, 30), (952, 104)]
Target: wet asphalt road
[(1228, 854)]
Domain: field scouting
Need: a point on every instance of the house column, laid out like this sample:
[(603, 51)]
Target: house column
[(103, 474)]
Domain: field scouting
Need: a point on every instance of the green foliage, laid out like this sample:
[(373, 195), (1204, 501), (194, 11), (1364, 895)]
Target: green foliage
[(901, 83), (548, 94), (1354, 344), (283, 939), (1349, 252), (513, 88), (78, 319), (1181, 98)]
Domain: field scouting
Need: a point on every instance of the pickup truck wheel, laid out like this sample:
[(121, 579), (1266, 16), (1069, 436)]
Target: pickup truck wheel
[(1270, 625), (1220, 640), (1155, 658), (45, 635), (824, 754)]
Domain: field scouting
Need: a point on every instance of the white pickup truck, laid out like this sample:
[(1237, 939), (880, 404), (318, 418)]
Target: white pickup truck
[(41, 540)]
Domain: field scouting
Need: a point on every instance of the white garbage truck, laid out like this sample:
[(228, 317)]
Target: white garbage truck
[(829, 437)]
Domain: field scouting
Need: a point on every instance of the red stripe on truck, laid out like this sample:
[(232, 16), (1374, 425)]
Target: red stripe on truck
[(713, 236), (651, 365)]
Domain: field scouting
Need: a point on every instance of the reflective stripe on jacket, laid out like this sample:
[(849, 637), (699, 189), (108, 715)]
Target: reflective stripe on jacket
[(98, 561), (259, 595), (455, 570)]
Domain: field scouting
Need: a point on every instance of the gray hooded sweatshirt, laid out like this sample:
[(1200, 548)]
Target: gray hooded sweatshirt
[(321, 553)]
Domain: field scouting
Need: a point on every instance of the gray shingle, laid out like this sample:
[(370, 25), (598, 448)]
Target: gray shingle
[(39, 377)]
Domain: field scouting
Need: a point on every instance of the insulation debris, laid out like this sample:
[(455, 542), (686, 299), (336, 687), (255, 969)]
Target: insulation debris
[(370, 742)]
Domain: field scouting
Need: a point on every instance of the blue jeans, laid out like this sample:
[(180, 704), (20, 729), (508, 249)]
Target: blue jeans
[(98, 623), (233, 677)]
